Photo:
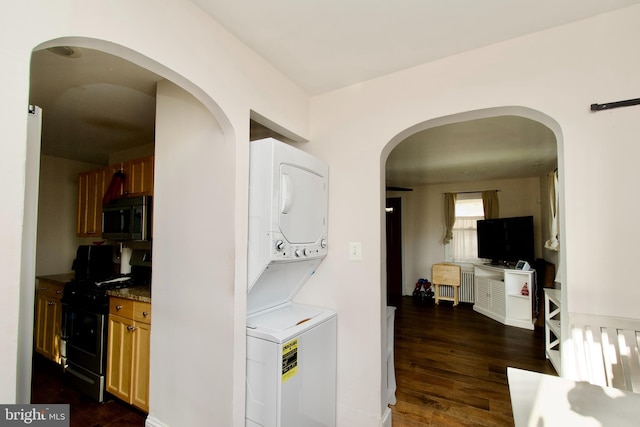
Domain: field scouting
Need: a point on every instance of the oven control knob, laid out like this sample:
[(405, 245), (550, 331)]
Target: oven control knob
[(279, 245)]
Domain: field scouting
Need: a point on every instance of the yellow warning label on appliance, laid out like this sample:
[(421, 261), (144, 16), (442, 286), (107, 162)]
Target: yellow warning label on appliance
[(289, 359)]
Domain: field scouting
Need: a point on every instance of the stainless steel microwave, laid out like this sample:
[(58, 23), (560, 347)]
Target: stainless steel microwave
[(127, 219)]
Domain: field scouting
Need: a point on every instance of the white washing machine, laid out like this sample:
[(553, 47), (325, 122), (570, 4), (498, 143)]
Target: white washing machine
[(291, 348)]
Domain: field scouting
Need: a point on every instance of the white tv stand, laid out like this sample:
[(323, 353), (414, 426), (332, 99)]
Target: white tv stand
[(498, 292)]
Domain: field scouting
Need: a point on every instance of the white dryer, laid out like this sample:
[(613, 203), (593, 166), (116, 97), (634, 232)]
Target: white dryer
[(291, 348)]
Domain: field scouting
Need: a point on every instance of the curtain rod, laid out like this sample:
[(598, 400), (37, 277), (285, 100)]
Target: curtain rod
[(469, 192)]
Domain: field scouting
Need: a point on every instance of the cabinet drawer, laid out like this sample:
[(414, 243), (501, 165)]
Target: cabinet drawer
[(121, 307), (50, 289), (142, 312)]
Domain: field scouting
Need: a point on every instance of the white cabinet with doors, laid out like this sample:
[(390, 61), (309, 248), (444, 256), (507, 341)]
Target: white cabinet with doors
[(505, 295)]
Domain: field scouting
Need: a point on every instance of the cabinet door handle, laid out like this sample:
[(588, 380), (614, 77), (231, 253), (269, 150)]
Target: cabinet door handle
[(59, 292), (51, 303), (145, 313), (118, 307), (131, 328)]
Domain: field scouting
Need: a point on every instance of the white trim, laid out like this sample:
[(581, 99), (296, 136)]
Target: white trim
[(154, 422), (386, 418)]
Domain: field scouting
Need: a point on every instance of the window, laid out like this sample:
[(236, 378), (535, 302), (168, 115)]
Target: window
[(464, 245)]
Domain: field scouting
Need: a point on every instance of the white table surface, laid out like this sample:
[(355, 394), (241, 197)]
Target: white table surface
[(540, 400)]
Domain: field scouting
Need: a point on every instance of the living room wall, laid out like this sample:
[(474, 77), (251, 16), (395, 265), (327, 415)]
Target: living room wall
[(423, 220)]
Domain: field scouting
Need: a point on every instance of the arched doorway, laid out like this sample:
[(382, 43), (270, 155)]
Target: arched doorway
[(200, 163), (426, 206)]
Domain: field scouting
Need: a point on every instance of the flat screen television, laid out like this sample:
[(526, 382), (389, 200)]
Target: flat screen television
[(506, 239)]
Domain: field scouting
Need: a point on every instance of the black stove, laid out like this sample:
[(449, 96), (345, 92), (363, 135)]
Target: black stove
[(91, 294), (85, 312)]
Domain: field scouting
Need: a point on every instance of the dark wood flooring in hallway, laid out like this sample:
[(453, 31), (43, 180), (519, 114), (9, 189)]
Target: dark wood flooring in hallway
[(451, 365), (48, 386)]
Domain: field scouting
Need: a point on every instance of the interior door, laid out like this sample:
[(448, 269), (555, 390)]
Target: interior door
[(394, 249)]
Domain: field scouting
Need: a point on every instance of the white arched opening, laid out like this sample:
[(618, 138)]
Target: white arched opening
[(195, 156), (519, 111)]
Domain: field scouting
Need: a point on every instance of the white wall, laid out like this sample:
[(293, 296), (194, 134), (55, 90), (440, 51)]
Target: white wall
[(176, 40), (423, 217), (551, 76), (192, 284), (555, 74), (58, 214)]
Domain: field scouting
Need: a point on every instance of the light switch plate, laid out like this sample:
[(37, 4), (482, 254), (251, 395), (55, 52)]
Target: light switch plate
[(355, 251)]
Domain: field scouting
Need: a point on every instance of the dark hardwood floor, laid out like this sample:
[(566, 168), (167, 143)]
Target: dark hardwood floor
[(450, 369), (48, 386), (451, 365)]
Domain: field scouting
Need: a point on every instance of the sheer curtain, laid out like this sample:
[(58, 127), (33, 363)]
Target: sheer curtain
[(465, 242)]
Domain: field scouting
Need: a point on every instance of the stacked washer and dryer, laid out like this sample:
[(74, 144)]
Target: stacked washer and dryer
[(291, 348)]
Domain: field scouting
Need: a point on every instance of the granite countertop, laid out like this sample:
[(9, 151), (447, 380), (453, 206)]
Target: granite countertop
[(136, 293), (60, 279)]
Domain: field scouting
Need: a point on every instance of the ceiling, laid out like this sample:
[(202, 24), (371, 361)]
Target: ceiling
[(329, 44), (95, 103), (503, 147)]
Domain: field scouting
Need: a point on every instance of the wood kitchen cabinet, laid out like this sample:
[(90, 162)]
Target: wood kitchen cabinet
[(48, 320), (93, 184), (91, 188), (128, 350), (138, 177)]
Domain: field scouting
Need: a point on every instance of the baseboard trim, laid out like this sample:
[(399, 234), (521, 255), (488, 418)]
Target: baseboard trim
[(386, 418), (154, 422)]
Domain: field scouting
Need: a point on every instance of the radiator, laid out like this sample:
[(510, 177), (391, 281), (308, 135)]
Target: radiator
[(466, 291)]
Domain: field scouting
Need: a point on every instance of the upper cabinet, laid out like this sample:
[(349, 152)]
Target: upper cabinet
[(138, 179), (91, 188), (92, 185)]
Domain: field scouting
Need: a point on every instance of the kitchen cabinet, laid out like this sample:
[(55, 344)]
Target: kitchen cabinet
[(138, 177), (128, 352), (93, 184), (91, 188), (48, 320)]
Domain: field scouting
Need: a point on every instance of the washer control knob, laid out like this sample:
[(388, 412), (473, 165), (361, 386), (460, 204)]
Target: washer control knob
[(299, 252), (323, 243), (279, 245)]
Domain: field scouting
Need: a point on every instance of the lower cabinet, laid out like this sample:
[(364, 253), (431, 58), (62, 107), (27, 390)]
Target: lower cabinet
[(128, 351), (48, 320), (505, 295), (490, 296)]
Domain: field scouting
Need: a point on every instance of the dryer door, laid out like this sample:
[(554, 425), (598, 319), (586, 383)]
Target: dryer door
[(302, 205)]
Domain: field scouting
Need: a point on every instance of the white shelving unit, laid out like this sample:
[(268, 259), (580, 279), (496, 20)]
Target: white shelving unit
[(552, 334), (499, 295)]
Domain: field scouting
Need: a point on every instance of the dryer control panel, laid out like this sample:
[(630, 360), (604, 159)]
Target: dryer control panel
[(286, 251)]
